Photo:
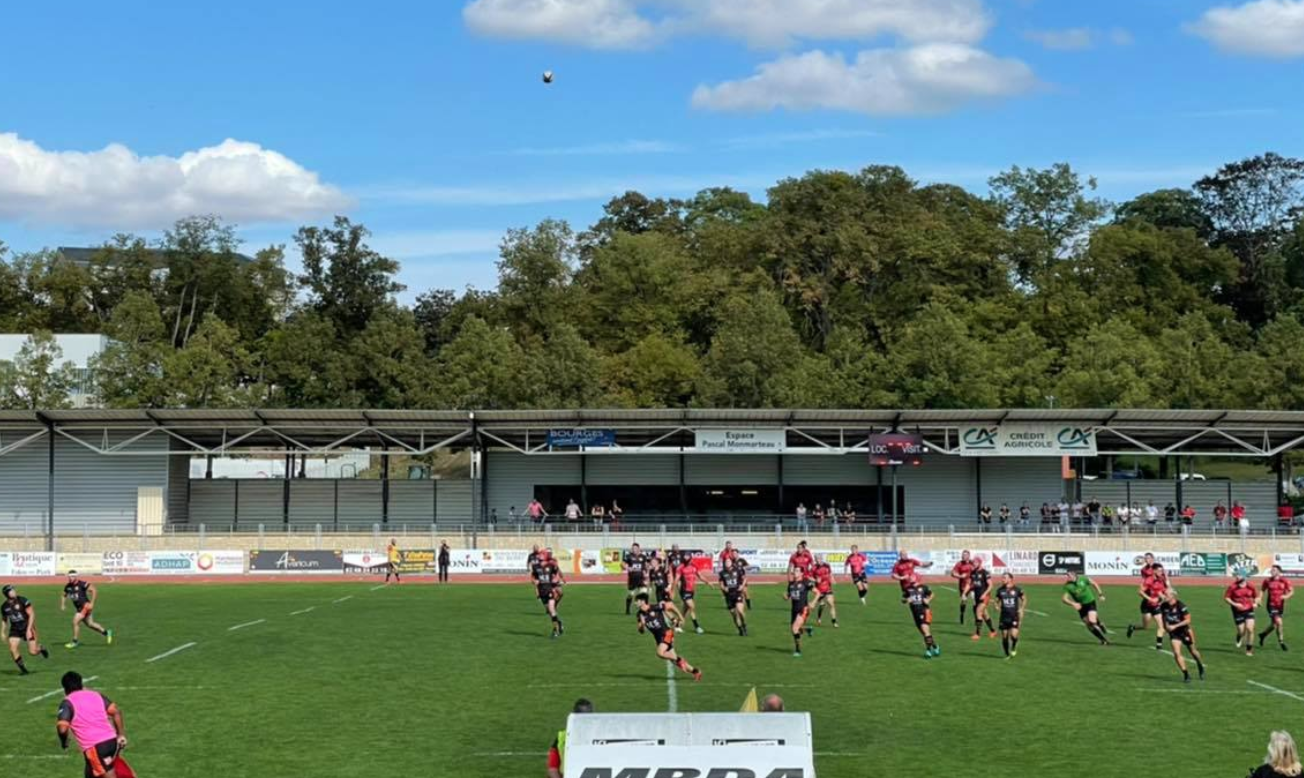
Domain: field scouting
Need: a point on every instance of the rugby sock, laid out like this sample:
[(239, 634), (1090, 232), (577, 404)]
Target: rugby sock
[(749, 603), (796, 642), (683, 664), (22, 668), (1186, 674), (1098, 631), (1014, 644), (928, 641), (45, 652), (695, 624), (629, 600), (962, 613), (1005, 645), (990, 628)]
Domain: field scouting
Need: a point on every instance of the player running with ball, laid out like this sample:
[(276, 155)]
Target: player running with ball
[(82, 594), (733, 584), (1177, 622), (657, 619), (1154, 585)]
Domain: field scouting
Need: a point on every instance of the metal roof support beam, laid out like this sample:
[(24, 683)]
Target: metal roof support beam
[(17, 444), (495, 438), (1241, 443), (1176, 447), (1143, 446), (812, 439), (1283, 448), (385, 436), (445, 443)]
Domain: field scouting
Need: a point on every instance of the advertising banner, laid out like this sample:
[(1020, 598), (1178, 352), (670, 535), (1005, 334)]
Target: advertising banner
[(424, 561), (764, 560), (504, 561), (364, 561), (173, 562), (741, 441), (1203, 564), (1015, 562), (1060, 562), (129, 563), (1026, 440), (608, 562), (88, 563), (220, 563), (581, 438), (27, 563), (1128, 563), (880, 562), (312, 562), (465, 561), (1252, 565), (1291, 564)]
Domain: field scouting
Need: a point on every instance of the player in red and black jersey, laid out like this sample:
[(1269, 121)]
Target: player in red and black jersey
[(686, 576), (903, 572), (548, 581), (659, 619), (18, 625), (1177, 622), (920, 599), (857, 562), (980, 588), (823, 577), (1154, 587), (798, 594), (733, 583), (82, 594), (634, 563), (802, 560), (1243, 599), (1276, 590), (962, 572), (658, 578)]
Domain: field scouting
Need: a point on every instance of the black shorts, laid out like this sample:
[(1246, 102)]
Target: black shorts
[(1184, 636), (979, 595), (686, 596), (1240, 617), (663, 594), (101, 758), (732, 599), (822, 596), (547, 594), (1009, 621), (1147, 609), (859, 578), (19, 632), (800, 613), (634, 582), (1087, 609), (1276, 613), (922, 616)]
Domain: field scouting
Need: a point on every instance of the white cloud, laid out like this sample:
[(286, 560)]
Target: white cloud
[(1120, 36), (115, 187), (1264, 28), (410, 244), (619, 148), (1074, 39), (620, 24), (926, 79), (777, 139), (599, 24)]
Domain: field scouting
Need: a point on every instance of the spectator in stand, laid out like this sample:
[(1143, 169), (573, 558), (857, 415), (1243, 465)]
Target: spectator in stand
[(819, 516), (599, 514), (1078, 511), (1065, 510), (849, 515), (985, 516), (1238, 517), (801, 516), (1152, 514), (1045, 513), (617, 513), (493, 516), (572, 511), (1188, 515), (1170, 514), (1054, 513), (1282, 760), (511, 514), (1025, 513), (535, 509), (1123, 515), (1004, 514), (832, 513), (1107, 516), (1220, 515), (1093, 510)]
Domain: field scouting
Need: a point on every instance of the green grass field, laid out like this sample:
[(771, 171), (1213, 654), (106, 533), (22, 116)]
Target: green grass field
[(464, 681)]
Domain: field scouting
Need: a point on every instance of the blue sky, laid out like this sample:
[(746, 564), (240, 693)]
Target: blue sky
[(429, 121)]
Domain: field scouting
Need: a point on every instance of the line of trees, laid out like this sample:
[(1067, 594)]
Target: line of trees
[(848, 290)]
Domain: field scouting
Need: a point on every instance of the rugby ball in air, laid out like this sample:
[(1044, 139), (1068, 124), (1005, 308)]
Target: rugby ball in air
[(547, 76)]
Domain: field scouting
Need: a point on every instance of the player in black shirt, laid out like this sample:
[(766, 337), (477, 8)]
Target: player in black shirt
[(82, 595), (1177, 623), (658, 576), (798, 594), (659, 619), (980, 586), (733, 583), (634, 564), (18, 624), (1013, 602), (920, 598), (548, 581)]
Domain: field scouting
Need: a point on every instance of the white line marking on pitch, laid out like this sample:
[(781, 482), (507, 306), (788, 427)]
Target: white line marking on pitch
[(246, 624), (305, 610), (1275, 690), (378, 588), (34, 756), (672, 704), (167, 654), (48, 695), (1203, 691), (631, 685), (343, 599), (1039, 613)]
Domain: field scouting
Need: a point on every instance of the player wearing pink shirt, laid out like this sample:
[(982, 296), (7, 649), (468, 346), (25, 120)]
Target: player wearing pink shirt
[(96, 723)]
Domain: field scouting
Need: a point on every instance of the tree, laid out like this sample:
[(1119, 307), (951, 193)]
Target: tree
[(129, 372), (483, 368), (57, 294), (534, 276), (634, 213), (347, 282), (37, 379), (1277, 379), (1021, 366), (306, 365), (1175, 209), (755, 359), (1254, 205), (857, 375), (1048, 213), (210, 370), (432, 312), (935, 362), (660, 371), (1199, 368), (564, 371), (392, 368), (1114, 366)]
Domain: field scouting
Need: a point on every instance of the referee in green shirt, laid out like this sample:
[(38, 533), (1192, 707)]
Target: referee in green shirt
[(1082, 594)]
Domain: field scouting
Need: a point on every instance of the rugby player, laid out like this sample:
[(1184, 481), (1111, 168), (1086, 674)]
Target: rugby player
[(657, 620), (548, 581), (1177, 622), (798, 594), (856, 563), (1154, 585), (962, 572), (980, 586), (96, 723), (823, 577), (1277, 589), (82, 594), (658, 577), (1243, 599), (1013, 602), (634, 564), (920, 598), (802, 560), (1083, 595), (18, 625), (904, 570), (685, 577), (732, 582), (393, 557), (741, 565)]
